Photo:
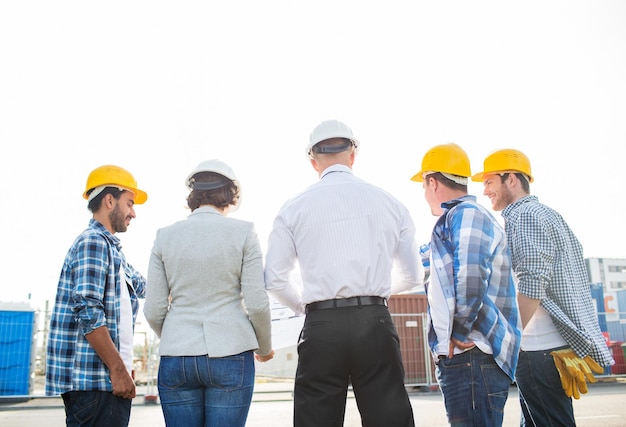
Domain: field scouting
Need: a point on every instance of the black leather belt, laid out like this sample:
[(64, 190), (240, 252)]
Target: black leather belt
[(345, 302)]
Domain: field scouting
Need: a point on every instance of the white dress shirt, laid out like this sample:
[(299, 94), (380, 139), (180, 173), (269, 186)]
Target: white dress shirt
[(345, 235)]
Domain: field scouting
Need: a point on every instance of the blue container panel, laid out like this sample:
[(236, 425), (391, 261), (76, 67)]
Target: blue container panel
[(597, 293), (16, 335), (621, 303), (617, 330)]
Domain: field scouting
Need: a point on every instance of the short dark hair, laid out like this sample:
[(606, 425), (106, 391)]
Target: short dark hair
[(95, 203), (439, 177), (223, 193), (521, 177)]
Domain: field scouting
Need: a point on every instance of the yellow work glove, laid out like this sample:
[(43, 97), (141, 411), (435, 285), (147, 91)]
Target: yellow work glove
[(575, 372)]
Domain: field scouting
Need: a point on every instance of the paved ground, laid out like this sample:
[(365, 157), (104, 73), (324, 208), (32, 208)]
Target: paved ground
[(603, 406)]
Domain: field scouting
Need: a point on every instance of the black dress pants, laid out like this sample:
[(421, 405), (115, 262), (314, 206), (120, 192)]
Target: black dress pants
[(357, 345)]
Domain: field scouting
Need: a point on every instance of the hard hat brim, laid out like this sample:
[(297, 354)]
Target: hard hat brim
[(140, 195), (480, 176), (418, 177)]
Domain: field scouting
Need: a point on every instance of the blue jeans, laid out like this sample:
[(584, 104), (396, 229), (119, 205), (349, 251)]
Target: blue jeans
[(474, 389), (95, 409), (541, 395), (198, 391)]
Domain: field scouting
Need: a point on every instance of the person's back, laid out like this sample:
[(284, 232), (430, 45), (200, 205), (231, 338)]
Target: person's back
[(345, 235), (474, 324), (207, 303), (203, 258), (346, 231)]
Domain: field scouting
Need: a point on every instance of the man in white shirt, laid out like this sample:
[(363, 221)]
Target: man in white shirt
[(345, 234)]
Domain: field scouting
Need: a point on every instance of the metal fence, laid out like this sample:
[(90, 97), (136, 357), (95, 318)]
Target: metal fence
[(23, 338)]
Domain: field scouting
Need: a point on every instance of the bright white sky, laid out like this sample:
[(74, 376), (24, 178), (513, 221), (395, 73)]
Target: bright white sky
[(157, 87)]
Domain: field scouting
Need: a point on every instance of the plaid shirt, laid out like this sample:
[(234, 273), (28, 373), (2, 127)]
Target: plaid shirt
[(88, 297), (548, 261), (472, 264)]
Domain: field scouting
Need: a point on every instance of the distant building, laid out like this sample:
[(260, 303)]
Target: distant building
[(611, 272), (608, 279)]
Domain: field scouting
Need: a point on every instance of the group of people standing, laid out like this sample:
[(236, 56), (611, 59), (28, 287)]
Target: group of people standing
[(504, 305)]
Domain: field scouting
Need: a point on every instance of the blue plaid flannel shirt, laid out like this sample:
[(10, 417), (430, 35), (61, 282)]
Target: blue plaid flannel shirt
[(472, 261), (548, 261), (88, 297)]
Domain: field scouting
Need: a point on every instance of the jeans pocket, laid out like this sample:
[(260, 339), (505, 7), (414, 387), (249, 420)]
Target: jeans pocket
[(497, 385), (227, 372), (84, 405), (171, 372)]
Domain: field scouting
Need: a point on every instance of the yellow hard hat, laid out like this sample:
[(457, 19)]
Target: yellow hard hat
[(447, 158), (505, 160), (114, 176)]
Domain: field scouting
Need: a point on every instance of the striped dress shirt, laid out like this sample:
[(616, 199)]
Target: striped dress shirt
[(344, 235)]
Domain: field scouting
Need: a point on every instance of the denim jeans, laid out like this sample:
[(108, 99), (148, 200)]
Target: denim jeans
[(95, 409), (474, 389), (541, 395), (198, 391)]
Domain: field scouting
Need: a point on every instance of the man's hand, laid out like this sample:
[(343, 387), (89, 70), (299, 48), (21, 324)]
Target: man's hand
[(265, 358), (123, 384), (463, 345), (121, 381)]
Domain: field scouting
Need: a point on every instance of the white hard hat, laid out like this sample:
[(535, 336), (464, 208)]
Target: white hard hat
[(219, 167), (330, 129)]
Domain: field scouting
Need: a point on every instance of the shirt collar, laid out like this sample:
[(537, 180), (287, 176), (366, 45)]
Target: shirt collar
[(336, 168), (452, 203), (526, 199), (107, 234), (205, 209)]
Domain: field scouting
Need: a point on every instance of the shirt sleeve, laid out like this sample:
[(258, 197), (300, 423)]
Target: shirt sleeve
[(89, 274), (280, 262), (138, 281), (254, 294), (157, 291), (407, 263), (533, 253)]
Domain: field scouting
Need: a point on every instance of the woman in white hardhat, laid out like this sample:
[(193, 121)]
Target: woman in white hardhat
[(206, 178), (206, 301)]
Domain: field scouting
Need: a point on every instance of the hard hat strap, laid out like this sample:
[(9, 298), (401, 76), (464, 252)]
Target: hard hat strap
[(327, 149), (203, 186), (94, 193)]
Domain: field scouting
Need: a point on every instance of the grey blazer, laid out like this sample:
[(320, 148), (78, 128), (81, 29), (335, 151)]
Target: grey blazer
[(205, 292)]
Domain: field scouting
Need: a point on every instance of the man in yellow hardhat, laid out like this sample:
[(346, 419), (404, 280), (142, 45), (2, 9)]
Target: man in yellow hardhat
[(90, 344), (474, 327), (557, 310)]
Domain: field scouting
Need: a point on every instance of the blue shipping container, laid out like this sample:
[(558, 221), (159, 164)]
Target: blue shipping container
[(621, 303), (617, 330), (597, 293), (16, 343)]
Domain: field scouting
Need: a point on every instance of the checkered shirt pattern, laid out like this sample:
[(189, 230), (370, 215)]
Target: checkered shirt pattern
[(471, 258), (548, 261), (88, 297)]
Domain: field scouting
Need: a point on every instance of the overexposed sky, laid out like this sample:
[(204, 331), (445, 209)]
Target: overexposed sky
[(157, 87)]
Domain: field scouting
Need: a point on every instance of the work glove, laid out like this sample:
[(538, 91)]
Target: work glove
[(575, 372)]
